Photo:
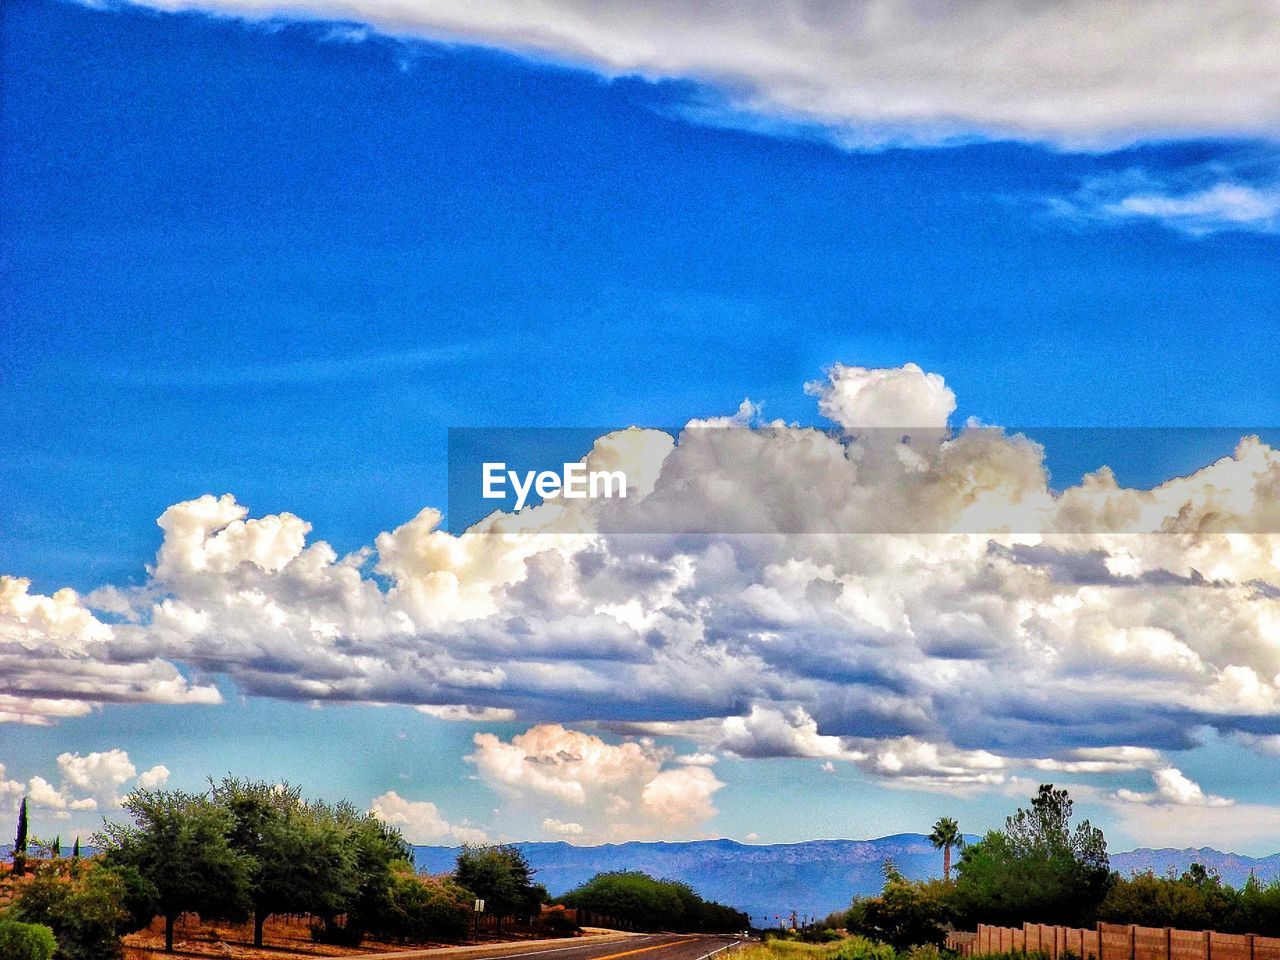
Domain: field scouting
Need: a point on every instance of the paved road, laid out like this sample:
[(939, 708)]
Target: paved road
[(655, 947)]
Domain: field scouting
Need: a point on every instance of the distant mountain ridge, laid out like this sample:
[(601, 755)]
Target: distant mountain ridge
[(814, 877)]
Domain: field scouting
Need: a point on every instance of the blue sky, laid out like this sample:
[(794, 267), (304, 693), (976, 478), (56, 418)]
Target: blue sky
[(281, 259)]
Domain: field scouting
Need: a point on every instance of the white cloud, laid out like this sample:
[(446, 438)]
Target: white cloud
[(562, 829), (1223, 206), (878, 399), (56, 642), (1173, 788), (608, 791), (1081, 72), (421, 821), (990, 624), (155, 778), (98, 774)]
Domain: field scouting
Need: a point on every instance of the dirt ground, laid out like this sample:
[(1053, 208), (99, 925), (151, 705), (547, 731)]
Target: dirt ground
[(283, 937)]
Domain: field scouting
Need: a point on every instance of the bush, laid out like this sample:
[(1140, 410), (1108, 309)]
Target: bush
[(26, 941), (557, 920), (423, 908), (860, 948), (86, 912)]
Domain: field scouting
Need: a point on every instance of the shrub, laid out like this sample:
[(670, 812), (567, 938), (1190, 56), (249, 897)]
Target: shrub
[(85, 912), (423, 908), (557, 920), (26, 941), (860, 948)]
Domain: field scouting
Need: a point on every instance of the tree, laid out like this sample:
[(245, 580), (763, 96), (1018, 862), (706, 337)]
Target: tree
[(20, 842), (180, 844), (55, 848), (1038, 869), (75, 850), (376, 849), (640, 901), (946, 834), (300, 862), (500, 876), (904, 915)]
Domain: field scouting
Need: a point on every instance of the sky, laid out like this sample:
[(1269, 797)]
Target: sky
[(259, 261)]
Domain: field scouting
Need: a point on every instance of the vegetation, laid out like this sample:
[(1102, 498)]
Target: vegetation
[(20, 842), (180, 845), (1038, 869), (26, 941), (639, 900), (946, 834), (86, 911), (502, 878), (1196, 900), (905, 914)]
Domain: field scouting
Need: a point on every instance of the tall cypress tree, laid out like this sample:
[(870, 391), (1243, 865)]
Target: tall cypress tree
[(75, 850), (20, 842)]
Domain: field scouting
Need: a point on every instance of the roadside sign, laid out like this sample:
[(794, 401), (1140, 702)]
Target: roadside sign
[(479, 905)]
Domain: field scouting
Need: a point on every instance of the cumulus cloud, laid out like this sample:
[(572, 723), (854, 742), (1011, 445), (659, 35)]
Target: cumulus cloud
[(978, 622), (421, 821), (1081, 72), (1173, 788), (59, 660), (604, 791), (88, 782)]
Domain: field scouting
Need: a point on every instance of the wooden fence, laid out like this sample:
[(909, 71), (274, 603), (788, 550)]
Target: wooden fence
[(1115, 941)]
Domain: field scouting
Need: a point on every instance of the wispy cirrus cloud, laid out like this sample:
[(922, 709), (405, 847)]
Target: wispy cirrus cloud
[(1233, 194)]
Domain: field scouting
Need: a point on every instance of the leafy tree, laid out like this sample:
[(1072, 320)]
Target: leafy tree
[(500, 875), (26, 941), (180, 844), (300, 862), (361, 897), (422, 908), (1037, 869), (639, 900), (905, 914), (20, 842), (946, 834), (86, 913)]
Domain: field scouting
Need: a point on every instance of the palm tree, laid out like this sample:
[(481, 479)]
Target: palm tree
[(946, 834)]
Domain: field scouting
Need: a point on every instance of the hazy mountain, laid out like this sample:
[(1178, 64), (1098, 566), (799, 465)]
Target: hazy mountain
[(813, 878)]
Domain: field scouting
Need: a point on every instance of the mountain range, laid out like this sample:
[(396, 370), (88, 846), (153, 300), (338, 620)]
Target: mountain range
[(813, 878)]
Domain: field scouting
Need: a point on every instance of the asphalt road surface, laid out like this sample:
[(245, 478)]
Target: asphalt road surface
[(663, 946)]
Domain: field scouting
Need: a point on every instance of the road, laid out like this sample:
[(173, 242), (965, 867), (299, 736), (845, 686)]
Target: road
[(662, 946)]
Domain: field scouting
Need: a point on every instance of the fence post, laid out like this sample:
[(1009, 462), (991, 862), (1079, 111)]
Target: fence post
[(1101, 950), (1252, 936), (1208, 945), (1133, 941), (1168, 943)]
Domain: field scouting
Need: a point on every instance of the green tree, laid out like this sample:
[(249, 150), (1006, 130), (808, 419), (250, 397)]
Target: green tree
[(946, 834), (75, 850), (300, 862), (20, 842), (362, 897), (639, 900), (180, 844), (1038, 869), (500, 875), (904, 915), (26, 941), (422, 908)]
